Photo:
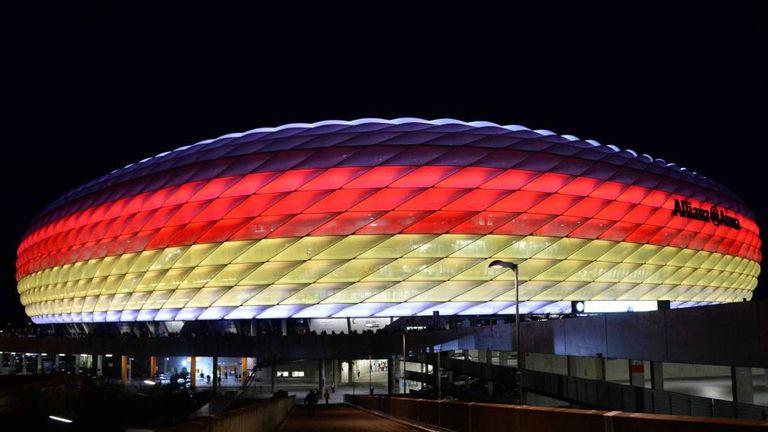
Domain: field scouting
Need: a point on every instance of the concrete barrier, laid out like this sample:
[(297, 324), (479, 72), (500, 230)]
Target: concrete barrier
[(262, 417), (480, 417)]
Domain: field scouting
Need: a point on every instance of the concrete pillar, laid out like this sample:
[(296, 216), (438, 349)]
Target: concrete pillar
[(350, 371), (23, 363), (421, 369), (56, 360), (488, 356), (123, 369), (99, 365), (152, 367), (215, 375), (657, 375), (741, 384), (192, 370), (130, 369), (284, 327), (273, 372), (482, 356), (636, 373), (587, 367), (503, 358), (390, 375), (252, 331), (321, 376), (490, 388), (39, 364), (436, 372)]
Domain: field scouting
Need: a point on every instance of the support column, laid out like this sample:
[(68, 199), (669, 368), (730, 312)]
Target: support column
[(321, 376), (39, 364), (130, 369), (215, 375), (284, 327), (334, 368), (23, 363), (273, 372), (99, 365), (436, 372), (252, 331), (657, 375), (636, 373), (192, 370), (152, 367), (244, 371), (123, 369), (390, 375), (350, 371), (586, 367), (56, 360), (741, 384), (423, 367)]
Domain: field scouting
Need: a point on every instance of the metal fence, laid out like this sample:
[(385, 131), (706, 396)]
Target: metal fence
[(621, 397)]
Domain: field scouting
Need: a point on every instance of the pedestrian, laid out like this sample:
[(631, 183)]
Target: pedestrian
[(326, 395), (310, 400)]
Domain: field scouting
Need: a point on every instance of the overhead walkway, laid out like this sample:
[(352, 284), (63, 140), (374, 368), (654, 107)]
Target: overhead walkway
[(729, 335)]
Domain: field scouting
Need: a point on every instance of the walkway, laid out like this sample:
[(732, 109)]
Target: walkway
[(339, 418)]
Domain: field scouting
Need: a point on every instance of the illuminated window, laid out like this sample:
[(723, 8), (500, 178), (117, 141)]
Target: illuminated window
[(296, 374), (283, 374)]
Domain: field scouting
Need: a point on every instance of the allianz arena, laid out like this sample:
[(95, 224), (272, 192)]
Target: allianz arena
[(384, 218)]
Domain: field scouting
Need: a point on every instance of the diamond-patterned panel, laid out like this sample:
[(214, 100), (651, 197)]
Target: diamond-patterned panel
[(371, 212)]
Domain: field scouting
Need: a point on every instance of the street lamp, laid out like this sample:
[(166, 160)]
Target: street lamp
[(520, 357)]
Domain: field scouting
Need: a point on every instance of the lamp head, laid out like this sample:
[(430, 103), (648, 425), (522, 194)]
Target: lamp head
[(503, 264)]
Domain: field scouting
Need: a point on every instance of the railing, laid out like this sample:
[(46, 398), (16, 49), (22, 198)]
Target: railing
[(480, 417), (615, 396), (260, 417)]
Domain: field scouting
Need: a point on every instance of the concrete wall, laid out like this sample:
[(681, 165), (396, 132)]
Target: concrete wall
[(477, 417), (618, 369), (262, 417)]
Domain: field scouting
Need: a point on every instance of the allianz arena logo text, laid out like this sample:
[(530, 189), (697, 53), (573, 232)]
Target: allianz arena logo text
[(714, 214)]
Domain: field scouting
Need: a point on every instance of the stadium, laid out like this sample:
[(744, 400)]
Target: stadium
[(384, 218)]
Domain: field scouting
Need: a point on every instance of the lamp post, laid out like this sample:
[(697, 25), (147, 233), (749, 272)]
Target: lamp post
[(520, 357)]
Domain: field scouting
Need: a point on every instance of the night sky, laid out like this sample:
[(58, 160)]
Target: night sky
[(94, 88)]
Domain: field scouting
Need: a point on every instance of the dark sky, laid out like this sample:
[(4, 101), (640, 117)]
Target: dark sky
[(91, 89)]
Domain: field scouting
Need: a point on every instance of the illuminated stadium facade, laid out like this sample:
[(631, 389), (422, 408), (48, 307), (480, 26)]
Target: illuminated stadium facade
[(384, 218)]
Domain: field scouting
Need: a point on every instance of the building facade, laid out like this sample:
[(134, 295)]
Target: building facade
[(384, 218)]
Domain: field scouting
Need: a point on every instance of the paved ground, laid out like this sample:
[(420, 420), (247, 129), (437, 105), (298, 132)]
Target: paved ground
[(339, 418)]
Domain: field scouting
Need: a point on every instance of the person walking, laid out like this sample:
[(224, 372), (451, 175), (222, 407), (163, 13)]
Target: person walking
[(326, 395), (310, 400)]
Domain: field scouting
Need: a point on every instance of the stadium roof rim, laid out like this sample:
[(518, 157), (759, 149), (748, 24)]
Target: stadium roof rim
[(406, 120)]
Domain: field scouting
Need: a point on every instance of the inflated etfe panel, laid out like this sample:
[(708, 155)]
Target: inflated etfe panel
[(387, 218)]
